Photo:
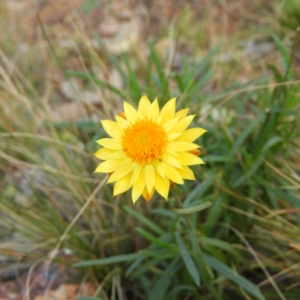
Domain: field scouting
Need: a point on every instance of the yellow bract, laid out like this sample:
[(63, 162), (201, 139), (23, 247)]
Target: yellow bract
[(149, 149)]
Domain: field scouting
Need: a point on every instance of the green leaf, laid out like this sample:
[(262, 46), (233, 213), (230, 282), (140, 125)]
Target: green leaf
[(214, 213), (199, 190), (132, 78), (206, 274), (200, 83), (193, 209), (181, 288), (85, 125), (219, 158), (187, 259), (117, 65), (91, 78), (246, 176), (154, 239), (144, 220), (236, 278), (160, 71), (264, 134), (163, 212), (186, 75), (134, 265), (163, 282), (271, 142), (284, 52), (218, 244), (161, 254), (272, 196), (248, 130), (277, 74), (109, 260)]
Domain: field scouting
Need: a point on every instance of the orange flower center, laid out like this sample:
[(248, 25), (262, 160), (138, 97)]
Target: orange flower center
[(144, 141)]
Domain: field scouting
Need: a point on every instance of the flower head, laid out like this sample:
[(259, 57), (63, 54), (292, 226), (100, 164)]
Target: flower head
[(149, 149)]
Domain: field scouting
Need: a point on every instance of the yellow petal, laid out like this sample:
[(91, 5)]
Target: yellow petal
[(168, 111), (149, 177), (171, 160), (174, 136), (172, 152), (172, 173), (138, 187), (109, 166), (122, 171), (182, 124), (154, 110), (159, 169), (162, 185), (189, 159), (130, 112), (191, 134), (103, 153), (121, 122), (181, 146), (170, 125), (147, 196), (182, 113), (112, 128), (110, 143), (144, 106), (117, 154), (186, 173), (136, 172), (122, 185)]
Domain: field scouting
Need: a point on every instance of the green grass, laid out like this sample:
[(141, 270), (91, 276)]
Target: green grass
[(234, 234)]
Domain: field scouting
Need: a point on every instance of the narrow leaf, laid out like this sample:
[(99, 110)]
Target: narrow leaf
[(193, 209), (163, 282), (108, 260), (199, 190), (144, 220), (153, 239), (187, 259), (236, 278)]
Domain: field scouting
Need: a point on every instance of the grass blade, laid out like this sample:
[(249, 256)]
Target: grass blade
[(91, 78), (163, 282), (144, 220), (193, 209), (108, 260), (236, 278), (199, 190), (187, 259), (154, 239)]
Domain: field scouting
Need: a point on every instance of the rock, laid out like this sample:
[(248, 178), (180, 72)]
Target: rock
[(250, 49), (218, 114), (115, 79), (258, 47), (109, 27), (69, 291), (70, 89), (124, 15), (125, 39)]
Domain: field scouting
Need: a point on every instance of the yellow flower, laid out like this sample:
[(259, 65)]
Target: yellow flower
[(149, 149)]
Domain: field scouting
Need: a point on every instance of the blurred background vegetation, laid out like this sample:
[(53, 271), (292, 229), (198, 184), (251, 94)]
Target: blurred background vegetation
[(65, 65)]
